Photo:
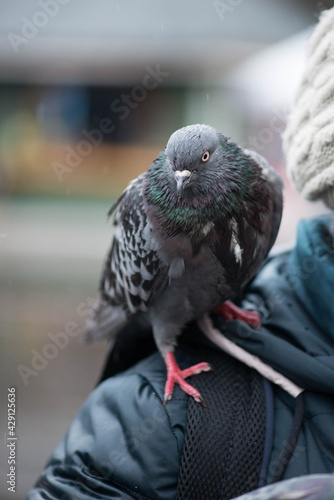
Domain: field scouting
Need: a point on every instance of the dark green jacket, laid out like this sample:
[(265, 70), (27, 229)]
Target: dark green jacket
[(125, 444)]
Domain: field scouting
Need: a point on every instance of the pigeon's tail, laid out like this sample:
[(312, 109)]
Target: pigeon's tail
[(105, 322)]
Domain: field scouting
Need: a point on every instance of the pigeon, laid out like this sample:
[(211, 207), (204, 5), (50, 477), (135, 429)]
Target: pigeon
[(189, 234), (312, 487)]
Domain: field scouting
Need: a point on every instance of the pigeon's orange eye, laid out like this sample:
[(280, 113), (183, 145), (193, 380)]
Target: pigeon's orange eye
[(206, 156)]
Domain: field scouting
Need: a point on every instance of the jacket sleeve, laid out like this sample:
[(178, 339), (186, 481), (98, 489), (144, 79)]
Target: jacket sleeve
[(123, 443)]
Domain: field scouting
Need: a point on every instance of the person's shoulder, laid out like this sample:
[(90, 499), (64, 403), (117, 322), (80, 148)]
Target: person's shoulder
[(123, 439)]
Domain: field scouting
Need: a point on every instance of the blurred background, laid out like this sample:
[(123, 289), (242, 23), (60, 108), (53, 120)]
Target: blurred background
[(89, 94)]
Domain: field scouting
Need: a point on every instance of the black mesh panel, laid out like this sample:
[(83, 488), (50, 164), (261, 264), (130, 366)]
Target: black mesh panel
[(224, 442)]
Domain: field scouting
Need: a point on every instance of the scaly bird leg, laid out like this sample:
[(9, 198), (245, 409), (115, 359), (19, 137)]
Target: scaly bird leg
[(229, 311), (176, 375)]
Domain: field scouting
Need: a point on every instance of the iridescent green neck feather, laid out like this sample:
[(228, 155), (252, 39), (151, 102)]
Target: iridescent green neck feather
[(218, 194)]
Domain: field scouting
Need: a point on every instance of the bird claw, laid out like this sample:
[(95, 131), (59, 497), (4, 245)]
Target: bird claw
[(167, 397), (176, 376), (230, 311), (199, 399)]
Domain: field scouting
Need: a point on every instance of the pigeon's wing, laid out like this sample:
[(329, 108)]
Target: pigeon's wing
[(276, 183), (249, 233), (133, 272)]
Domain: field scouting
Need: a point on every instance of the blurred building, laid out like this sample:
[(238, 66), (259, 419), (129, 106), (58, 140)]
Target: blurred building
[(91, 91)]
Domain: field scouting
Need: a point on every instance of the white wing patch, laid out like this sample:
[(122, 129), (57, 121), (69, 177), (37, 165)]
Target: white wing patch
[(235, 246), (238, 253), (207, 228)]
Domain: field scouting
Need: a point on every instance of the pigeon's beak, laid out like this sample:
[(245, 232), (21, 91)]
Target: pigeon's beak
[(181, 177)]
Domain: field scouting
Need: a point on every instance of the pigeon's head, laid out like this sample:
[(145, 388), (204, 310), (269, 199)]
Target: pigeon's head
[(193, 154)]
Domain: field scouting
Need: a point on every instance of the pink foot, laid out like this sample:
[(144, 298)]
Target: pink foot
[(176, 375), (229, 311)]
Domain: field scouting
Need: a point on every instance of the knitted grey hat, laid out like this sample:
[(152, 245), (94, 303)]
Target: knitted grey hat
[(308, 139)]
